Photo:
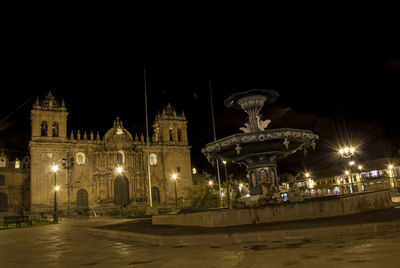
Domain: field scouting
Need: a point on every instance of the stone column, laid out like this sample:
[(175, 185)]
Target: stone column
[(112, 188), (98, 189)]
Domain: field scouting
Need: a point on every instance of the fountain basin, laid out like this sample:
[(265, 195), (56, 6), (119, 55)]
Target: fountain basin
[(331, 206), (280, 142)]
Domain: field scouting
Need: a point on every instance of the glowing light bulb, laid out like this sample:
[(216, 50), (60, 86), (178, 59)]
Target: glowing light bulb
[(54, 168)]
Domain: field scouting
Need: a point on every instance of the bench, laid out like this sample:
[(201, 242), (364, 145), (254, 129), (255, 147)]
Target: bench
[(17, 220)]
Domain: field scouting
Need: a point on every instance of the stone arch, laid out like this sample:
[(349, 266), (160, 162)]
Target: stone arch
[(3, 202), (121, 191)]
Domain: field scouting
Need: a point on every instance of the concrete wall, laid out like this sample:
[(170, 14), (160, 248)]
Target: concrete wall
[(311, 209)]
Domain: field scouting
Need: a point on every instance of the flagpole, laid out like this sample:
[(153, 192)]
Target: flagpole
[(147, 139), (215, 138)]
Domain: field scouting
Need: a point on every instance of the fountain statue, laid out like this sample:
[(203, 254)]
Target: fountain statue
[(259, 148)]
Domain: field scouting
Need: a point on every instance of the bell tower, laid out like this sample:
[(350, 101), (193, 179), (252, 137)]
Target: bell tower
[(171, 139), (170, 128), (49, 119)]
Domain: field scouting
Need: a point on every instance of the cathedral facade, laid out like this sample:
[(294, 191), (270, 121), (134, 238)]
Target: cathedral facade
[(106, 173)]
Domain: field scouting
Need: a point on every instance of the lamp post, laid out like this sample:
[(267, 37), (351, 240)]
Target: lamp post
[(360, 167), (309, 182), (348, 153), (227, 184), (392, 178), (351, 164), (174, 177), (56, 188)]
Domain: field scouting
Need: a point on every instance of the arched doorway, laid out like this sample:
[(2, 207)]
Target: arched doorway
[(155, 195), (3, 202), (82, 201), (121, 191)]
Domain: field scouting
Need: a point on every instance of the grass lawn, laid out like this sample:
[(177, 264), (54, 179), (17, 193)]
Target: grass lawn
[(24, 225)]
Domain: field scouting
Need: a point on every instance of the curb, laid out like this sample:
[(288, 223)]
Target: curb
[(238, 238)]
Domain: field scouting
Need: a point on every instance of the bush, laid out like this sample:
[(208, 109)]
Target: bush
[(202, 197)]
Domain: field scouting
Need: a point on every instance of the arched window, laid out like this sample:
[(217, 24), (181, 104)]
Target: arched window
[(55, 129), (17, 164), (43, 129), (2, 180), (171, 137), (80, 158), (179, 134), (153, 159), (120, 158)]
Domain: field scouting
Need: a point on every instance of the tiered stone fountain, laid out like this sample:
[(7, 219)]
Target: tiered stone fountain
[(258, 148)]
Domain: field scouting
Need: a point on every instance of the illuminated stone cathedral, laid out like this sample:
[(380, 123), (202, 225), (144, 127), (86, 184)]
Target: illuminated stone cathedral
[(108, 173)]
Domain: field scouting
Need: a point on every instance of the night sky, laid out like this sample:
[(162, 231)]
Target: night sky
[(343, 87)]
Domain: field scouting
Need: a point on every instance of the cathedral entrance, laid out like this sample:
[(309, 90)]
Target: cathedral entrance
[(82, 201), (3, 202), (121, 191)]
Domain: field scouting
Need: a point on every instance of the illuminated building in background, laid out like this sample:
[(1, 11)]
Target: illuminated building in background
[(109, 172)]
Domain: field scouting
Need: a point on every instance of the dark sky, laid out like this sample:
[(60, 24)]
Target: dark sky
[(342, 85)]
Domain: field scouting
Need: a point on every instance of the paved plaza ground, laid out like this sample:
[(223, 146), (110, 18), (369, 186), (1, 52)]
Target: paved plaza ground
[(72, 244)]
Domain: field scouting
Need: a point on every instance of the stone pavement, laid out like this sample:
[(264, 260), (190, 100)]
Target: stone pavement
[(72, 244), (167, 235)]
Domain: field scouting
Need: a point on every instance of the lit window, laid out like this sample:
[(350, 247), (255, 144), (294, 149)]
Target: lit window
[(153, 159), (17, 164), (80, 158), (194, 171)]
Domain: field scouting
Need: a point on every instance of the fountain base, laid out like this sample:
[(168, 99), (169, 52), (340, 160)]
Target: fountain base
[(330, 206)]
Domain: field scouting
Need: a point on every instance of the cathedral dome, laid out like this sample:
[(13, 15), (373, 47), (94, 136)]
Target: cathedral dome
[(118, 136)]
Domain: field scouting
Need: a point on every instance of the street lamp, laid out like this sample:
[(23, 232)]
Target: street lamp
[(228, 184), (348, 153), (174, 177), (119, 170), (56, 188)]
